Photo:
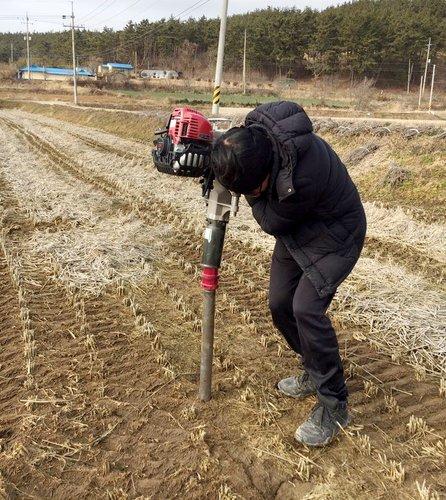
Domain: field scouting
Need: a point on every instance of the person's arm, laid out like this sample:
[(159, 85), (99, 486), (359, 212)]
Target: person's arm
[(268, 220), (303, 202)]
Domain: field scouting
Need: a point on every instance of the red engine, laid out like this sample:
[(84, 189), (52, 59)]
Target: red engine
[(184, 146), (188, 124)]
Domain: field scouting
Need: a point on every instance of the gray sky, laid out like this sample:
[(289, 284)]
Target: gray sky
[(94, 14)]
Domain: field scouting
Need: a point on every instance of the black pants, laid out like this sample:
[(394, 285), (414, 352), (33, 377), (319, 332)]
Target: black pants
[(300, 315)]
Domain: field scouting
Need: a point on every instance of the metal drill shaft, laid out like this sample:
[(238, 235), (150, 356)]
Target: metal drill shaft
[(207, 345)]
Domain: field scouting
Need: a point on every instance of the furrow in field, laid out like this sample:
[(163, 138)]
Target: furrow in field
[(391, 233), (391, 226), (18, 336), (174, 340), (87, 217), (378, 294), (13, 373), (93, 373), (54, 363), (163, 212), (261, 358)]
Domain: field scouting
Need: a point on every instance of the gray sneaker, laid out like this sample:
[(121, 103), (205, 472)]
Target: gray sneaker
[(297, 387), (322, 425)]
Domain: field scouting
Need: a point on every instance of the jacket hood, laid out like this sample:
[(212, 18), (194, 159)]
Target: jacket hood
[(288, 124)]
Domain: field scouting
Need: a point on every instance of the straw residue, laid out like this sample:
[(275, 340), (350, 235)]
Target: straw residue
[(93, 257), (403, 315), (397, 226), (44, 195), (96, 243)]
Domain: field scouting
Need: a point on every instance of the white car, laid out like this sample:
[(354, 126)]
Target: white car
[(159, 73)]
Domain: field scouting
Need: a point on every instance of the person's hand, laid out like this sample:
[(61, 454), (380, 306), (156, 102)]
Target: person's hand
[(252, 200), (258, 191), (194, 160)]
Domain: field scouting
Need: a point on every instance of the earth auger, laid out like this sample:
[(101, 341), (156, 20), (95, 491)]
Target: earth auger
[(183, 149)]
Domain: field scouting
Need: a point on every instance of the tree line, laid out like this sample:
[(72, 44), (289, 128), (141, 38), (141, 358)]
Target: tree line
[(363, 38)]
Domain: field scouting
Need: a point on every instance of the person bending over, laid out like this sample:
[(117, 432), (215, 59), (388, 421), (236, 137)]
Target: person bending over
[(301, 193)]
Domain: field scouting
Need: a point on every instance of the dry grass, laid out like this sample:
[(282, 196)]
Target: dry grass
[(397, 226), (15, 265), (424, 190), (403, 314), (390, 225), (127, 125), (393, 470), (255, 413), (97, 244), (92, 257), (421, 154), (426, 492)]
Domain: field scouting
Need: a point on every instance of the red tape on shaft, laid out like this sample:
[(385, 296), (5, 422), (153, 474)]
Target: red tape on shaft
[(209, 278)]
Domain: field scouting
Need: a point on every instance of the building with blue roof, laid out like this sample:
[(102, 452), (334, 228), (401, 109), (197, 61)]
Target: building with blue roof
[(112, 67), (51, 73)]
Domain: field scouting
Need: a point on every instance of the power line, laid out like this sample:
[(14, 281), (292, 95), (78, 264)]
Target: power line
[(190, 8), (46, 22), (127, 8), (198, 6), (83, 18), (100, 12), (15, 16), (140, 36)]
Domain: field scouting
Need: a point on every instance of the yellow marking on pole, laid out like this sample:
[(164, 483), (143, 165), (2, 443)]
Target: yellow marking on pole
[(216, 97)]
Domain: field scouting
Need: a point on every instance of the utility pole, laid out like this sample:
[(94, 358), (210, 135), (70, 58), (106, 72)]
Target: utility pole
[(73, 46), (432, 87), (220, 55), (409, 75), (27, 38), (244, 64), (427, 63), (421, 92), (74, 54)]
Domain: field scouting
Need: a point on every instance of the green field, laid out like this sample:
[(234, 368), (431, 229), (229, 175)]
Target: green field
[(227, 99)]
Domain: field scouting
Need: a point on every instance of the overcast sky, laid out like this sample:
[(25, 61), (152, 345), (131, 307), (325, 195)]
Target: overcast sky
[(94, 14)]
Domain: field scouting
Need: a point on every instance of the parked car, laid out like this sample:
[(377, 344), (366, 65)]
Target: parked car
[(160, 74)]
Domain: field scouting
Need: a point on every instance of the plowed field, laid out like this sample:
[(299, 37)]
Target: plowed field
[(100, 334)]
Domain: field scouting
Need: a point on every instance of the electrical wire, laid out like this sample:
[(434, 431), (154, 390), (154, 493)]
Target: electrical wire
[(100, 12), (42, 21), (21, 16), (201, 5), (130, 43), (192, 7), (138, 37), (86, 16), (123, 10)]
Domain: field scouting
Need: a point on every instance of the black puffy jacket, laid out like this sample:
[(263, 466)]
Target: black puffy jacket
[(311, 203)]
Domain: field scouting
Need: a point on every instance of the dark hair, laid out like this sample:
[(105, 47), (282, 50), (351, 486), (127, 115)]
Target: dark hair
[(241, 159)]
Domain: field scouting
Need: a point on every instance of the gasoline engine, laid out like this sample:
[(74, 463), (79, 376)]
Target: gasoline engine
[(183, 148)]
